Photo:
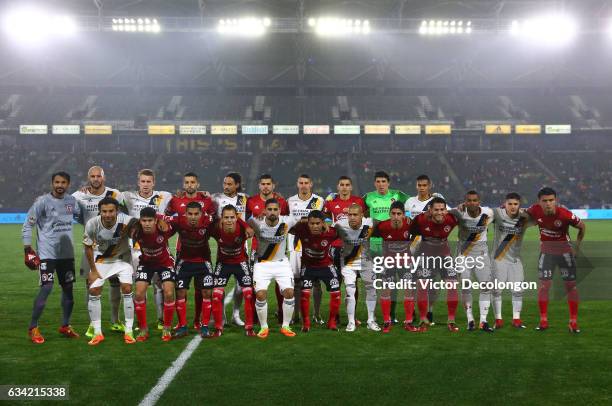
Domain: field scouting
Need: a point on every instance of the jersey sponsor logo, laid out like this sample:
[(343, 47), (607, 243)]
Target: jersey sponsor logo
[(69, 208)]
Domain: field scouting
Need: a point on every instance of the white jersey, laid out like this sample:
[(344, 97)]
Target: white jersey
[(473, 230), (110, 244), (414, 206), (239, 202), (88, 202), (134, 202), (356, 243), (272, 240), (508, 235), (299, 208)]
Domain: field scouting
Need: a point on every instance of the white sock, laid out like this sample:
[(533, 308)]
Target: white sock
[(484, 309), (497, 305), (288, 308), (262, 312), (350, 303), (371, 302), (95, 313), (159, 303), (115, 299), (466, 297), (517, 306), (128, 311)]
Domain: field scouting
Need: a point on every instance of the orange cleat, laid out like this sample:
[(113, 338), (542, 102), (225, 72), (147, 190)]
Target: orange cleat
[(97, 339), (35, 336), (68, 331), (287, 332)]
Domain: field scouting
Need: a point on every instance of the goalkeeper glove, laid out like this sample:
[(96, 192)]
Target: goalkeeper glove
[(31, 258)]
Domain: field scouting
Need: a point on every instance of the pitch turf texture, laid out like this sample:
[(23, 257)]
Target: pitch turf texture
[(325, 367)]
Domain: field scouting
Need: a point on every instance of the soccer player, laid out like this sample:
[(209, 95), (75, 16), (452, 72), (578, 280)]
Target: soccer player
[(395, 234), (317, 265), (52, 215), (272, 264), (231, 234), (177, 206), (147, 196), (108, 252), (88, 199), (193, 262), (300, 205), (474, 221), (232, 195), (355, 231), (434, 227), (154, 259), (509, 224), (556, 252)]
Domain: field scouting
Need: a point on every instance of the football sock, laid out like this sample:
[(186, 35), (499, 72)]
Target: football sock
[(288, 307), (572, 299), (169, 309), (350, 303), (95, 313), (262, 312), (451, 302), (371, 301), (39, 303), (140, 308), (497, 304), (543, 298), (466, 298), (217, 307), (305, 307), (334, 306), (409, 308), (517, 304), (67, 304), (181, 310), (385, 306), (484, 303), (128, 311), (422, 296), (247, 293), (206, 310)]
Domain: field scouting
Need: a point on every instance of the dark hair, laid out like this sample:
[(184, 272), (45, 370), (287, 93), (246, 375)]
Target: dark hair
[(193, 205), (344, 177), (266, 176), (397, 205), (108, 200), (513, 195), (237, 178), (381, 174), (230, 208), (62, 174), (304, 175), (316, 214), (472, 192), (190, 175), (547, 191), (436, 200), (148, 212), (272, 201), (423, 177)]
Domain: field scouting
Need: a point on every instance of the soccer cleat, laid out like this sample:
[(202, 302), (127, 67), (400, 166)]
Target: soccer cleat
[(517, 323), (430, 319), (35, 336), (542, 326), (128, 338), (452, 327), (197, 325), (97, 339), (166, 334), (216, 334), (386, 327), (408, 326), (484, 326), (249, 332), (424, 326), (204, 332), (373, 325), (499, 323), (305, 329), (68, 331), (332, 325), (318, 320), (350, 327), (237, 320), (287, 332), (263, 333), (181, 331), (118, 327), (573, 327), (143, 335), (471, 325), (160, 324), (394, 321), (90, 331)]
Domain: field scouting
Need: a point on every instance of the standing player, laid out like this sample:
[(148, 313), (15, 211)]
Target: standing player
[(88, 199), (272, 264), (155, 259), (178, 206), (317, 265), (232, 195), (434, 227), (355, 232), (556, 252), (52, 215), (395, 234), (147, 196), (108, 253), (231, 234), (300, 205), (509, 224), (474, 221)]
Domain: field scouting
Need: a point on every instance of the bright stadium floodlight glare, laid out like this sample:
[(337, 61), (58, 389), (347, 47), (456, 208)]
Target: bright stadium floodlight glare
[(445, 27), (250, 27), (334, 27), (139, 24), (550, 30), (32, 25)]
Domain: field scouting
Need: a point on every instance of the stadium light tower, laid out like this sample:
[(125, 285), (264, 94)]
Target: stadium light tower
[(445, 27), (250, 27), (549, 30), (30, 25), (337, 27), (141, 24)]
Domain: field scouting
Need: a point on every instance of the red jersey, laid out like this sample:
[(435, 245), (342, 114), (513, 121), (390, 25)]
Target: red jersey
[(434, 236), (395, 241), (194, 240), (178, 204), (255, 206), (154, 249), (554, 236), (231, 247), (338, 208), (315, 248)]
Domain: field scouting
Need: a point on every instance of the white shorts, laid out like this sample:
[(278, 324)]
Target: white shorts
[(482, 270), (122, 269), (265, 272), (349, 274), (508, 271), (295, 258)]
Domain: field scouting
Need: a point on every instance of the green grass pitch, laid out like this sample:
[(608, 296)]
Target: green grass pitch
[(324, 367)]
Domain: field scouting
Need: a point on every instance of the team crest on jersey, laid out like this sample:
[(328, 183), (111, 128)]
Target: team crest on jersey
[(406, 233), (558, 223), (202, 231), (447, 229), (237, 240), (159, 239), (69, 208), (324, 243)]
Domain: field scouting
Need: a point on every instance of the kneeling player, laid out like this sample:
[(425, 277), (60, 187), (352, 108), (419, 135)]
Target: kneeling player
[(231, 234), (317, 265), (155, 258)]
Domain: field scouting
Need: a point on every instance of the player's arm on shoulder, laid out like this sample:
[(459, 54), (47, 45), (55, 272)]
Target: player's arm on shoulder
[(253, 222), (249, 231)]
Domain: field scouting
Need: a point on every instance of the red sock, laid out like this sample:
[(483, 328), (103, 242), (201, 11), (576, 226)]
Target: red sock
[(572, 299), (279, 300), (422, 302), (168, 313), (181, 310), (305, 306), (247, 294), (452, 300), (385, 306), (543, 298), (334, 307), (409, 308), (141, 313), (206, 310), (197, 297), (217, 307)]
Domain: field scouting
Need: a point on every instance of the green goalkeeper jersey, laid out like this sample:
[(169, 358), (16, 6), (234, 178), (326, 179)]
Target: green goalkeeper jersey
[(378, 206)]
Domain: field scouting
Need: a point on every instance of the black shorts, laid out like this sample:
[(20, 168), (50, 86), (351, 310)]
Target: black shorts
[(394, 275), (565, 262), (200, 272), (327, 274), (146, 273), (63, 267), (241, 272), (437, 268)]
